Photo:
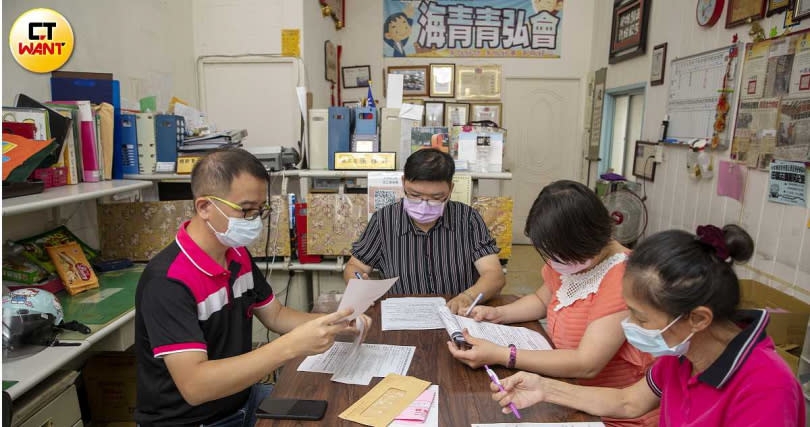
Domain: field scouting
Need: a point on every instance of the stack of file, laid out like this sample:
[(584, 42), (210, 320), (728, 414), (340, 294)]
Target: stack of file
[(228, 138)]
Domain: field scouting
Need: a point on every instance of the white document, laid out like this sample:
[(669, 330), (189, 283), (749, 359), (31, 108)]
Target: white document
[(393, 98), (522, 338), (411, 112), (587, 424), (361, 294), (433, 416), (412, 313), (358, 367)]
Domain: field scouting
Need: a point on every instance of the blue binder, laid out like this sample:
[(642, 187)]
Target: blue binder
[(365, 121), (168, 135), (95, 91), (339, 132), (129, 143)]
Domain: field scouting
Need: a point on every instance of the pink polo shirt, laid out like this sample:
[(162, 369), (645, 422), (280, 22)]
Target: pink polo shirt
[(748, 385)]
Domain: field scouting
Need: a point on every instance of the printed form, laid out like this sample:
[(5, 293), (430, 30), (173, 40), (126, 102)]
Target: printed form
[(359, 366), (411, 313)]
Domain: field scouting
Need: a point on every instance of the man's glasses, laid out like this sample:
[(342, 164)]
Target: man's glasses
[(431, 202), (250, 214)]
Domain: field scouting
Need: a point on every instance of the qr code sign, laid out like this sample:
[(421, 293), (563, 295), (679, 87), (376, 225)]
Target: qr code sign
[(383, 198)]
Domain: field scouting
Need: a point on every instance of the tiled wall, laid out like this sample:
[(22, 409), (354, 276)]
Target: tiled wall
[(782, 251)]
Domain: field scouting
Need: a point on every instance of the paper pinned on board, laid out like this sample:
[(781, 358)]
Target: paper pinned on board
[(411, 112), (393, 96), (730, 180)]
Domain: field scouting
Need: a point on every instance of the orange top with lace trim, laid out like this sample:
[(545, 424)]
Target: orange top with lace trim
[(567, 326)]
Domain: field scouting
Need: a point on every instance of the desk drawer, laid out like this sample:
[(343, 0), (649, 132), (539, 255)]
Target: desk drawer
[(63, 411)]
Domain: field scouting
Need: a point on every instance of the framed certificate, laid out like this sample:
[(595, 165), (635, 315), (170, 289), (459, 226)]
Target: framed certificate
[(434, 113), (456, 114), (356, 76), (741, 12), (478, 82), (491, 112), (442, 80)]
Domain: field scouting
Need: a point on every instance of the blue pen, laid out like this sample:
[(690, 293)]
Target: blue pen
[(357, 275)]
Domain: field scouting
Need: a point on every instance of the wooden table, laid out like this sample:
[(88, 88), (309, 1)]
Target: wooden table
[(463, 392)]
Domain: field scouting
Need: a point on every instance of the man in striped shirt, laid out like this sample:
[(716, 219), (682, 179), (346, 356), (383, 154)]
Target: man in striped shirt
[(434, 245)]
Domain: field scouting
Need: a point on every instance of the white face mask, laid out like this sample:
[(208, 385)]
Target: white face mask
[(240, 232), (652, 341)]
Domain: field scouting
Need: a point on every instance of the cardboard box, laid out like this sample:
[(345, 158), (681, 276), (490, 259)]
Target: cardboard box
[(110, 383), (788, 318)]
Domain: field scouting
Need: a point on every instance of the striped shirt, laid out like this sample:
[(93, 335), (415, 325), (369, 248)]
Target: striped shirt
[(440, 261)]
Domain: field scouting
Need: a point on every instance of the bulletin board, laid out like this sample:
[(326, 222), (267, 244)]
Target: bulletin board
[(773, 119), (695, 84), (253, 92)]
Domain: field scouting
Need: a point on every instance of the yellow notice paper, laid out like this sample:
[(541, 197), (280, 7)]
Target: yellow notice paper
[(291, 42), (385, 401)]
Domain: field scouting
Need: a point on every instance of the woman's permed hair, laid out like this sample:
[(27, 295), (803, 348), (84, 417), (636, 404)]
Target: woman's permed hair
[(675, 271)]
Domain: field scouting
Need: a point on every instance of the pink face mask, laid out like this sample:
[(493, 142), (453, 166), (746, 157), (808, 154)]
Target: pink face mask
[(422, 212), (569, 268)]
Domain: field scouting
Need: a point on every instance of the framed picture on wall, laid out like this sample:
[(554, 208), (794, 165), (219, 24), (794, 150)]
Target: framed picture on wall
[(434, 113), (456, 114), (777, 6), (659, 64), (628, 36), (330, 61), (801, 9), (643, 160), (739, 12), (415, 101), (442, 80), (354, 77), (415, 79), (478, 82), (491, 112)]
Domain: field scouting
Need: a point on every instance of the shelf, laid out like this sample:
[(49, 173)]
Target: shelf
[(57, 196), (160, 177), (309, 173), (329, 265)]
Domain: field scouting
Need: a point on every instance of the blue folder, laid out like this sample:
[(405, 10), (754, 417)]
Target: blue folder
[(339, 132), (129, 143)]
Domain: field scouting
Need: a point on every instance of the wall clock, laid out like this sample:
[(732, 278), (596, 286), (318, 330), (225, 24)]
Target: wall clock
[(708, 12)]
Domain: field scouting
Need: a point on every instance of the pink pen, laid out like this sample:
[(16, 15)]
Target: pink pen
[(497, 382)]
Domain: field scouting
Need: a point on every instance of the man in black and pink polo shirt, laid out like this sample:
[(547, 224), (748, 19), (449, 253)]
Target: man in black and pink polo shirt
[(196, 301)]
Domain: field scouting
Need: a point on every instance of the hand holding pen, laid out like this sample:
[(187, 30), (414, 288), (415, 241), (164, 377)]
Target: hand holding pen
[(497, 383)]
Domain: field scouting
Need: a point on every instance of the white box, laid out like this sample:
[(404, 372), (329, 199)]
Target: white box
[(318, 138)]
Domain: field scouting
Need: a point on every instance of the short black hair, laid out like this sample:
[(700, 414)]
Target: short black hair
[(675, 272), (430, 164), (568, 223), (393, 18), (213, 174)]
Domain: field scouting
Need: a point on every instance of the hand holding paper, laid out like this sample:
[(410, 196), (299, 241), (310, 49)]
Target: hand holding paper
[(318, 335), (361, 294)]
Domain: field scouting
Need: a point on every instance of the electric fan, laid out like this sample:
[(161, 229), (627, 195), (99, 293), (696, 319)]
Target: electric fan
[(629, 213)]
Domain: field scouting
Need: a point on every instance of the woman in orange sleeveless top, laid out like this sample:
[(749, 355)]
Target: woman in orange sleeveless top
[(581, 298)]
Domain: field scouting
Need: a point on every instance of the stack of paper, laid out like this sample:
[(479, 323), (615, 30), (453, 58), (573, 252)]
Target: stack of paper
[(522, 338), (359, 367), (407, 418), (412, 313), (230, 138)]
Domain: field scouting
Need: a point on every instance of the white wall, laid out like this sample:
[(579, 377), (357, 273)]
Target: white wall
[(318, 29), (782, 239), (145, 44)]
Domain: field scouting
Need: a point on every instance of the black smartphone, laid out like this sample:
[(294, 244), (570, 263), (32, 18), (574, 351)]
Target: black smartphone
[(291, 409)]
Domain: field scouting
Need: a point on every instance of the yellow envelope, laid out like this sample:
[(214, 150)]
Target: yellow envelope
[(385, 401)]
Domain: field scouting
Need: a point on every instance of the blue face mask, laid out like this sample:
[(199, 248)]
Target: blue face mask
[(652, 340)]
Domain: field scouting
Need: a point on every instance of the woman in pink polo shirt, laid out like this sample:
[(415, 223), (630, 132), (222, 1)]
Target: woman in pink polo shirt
[(716, 366)]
